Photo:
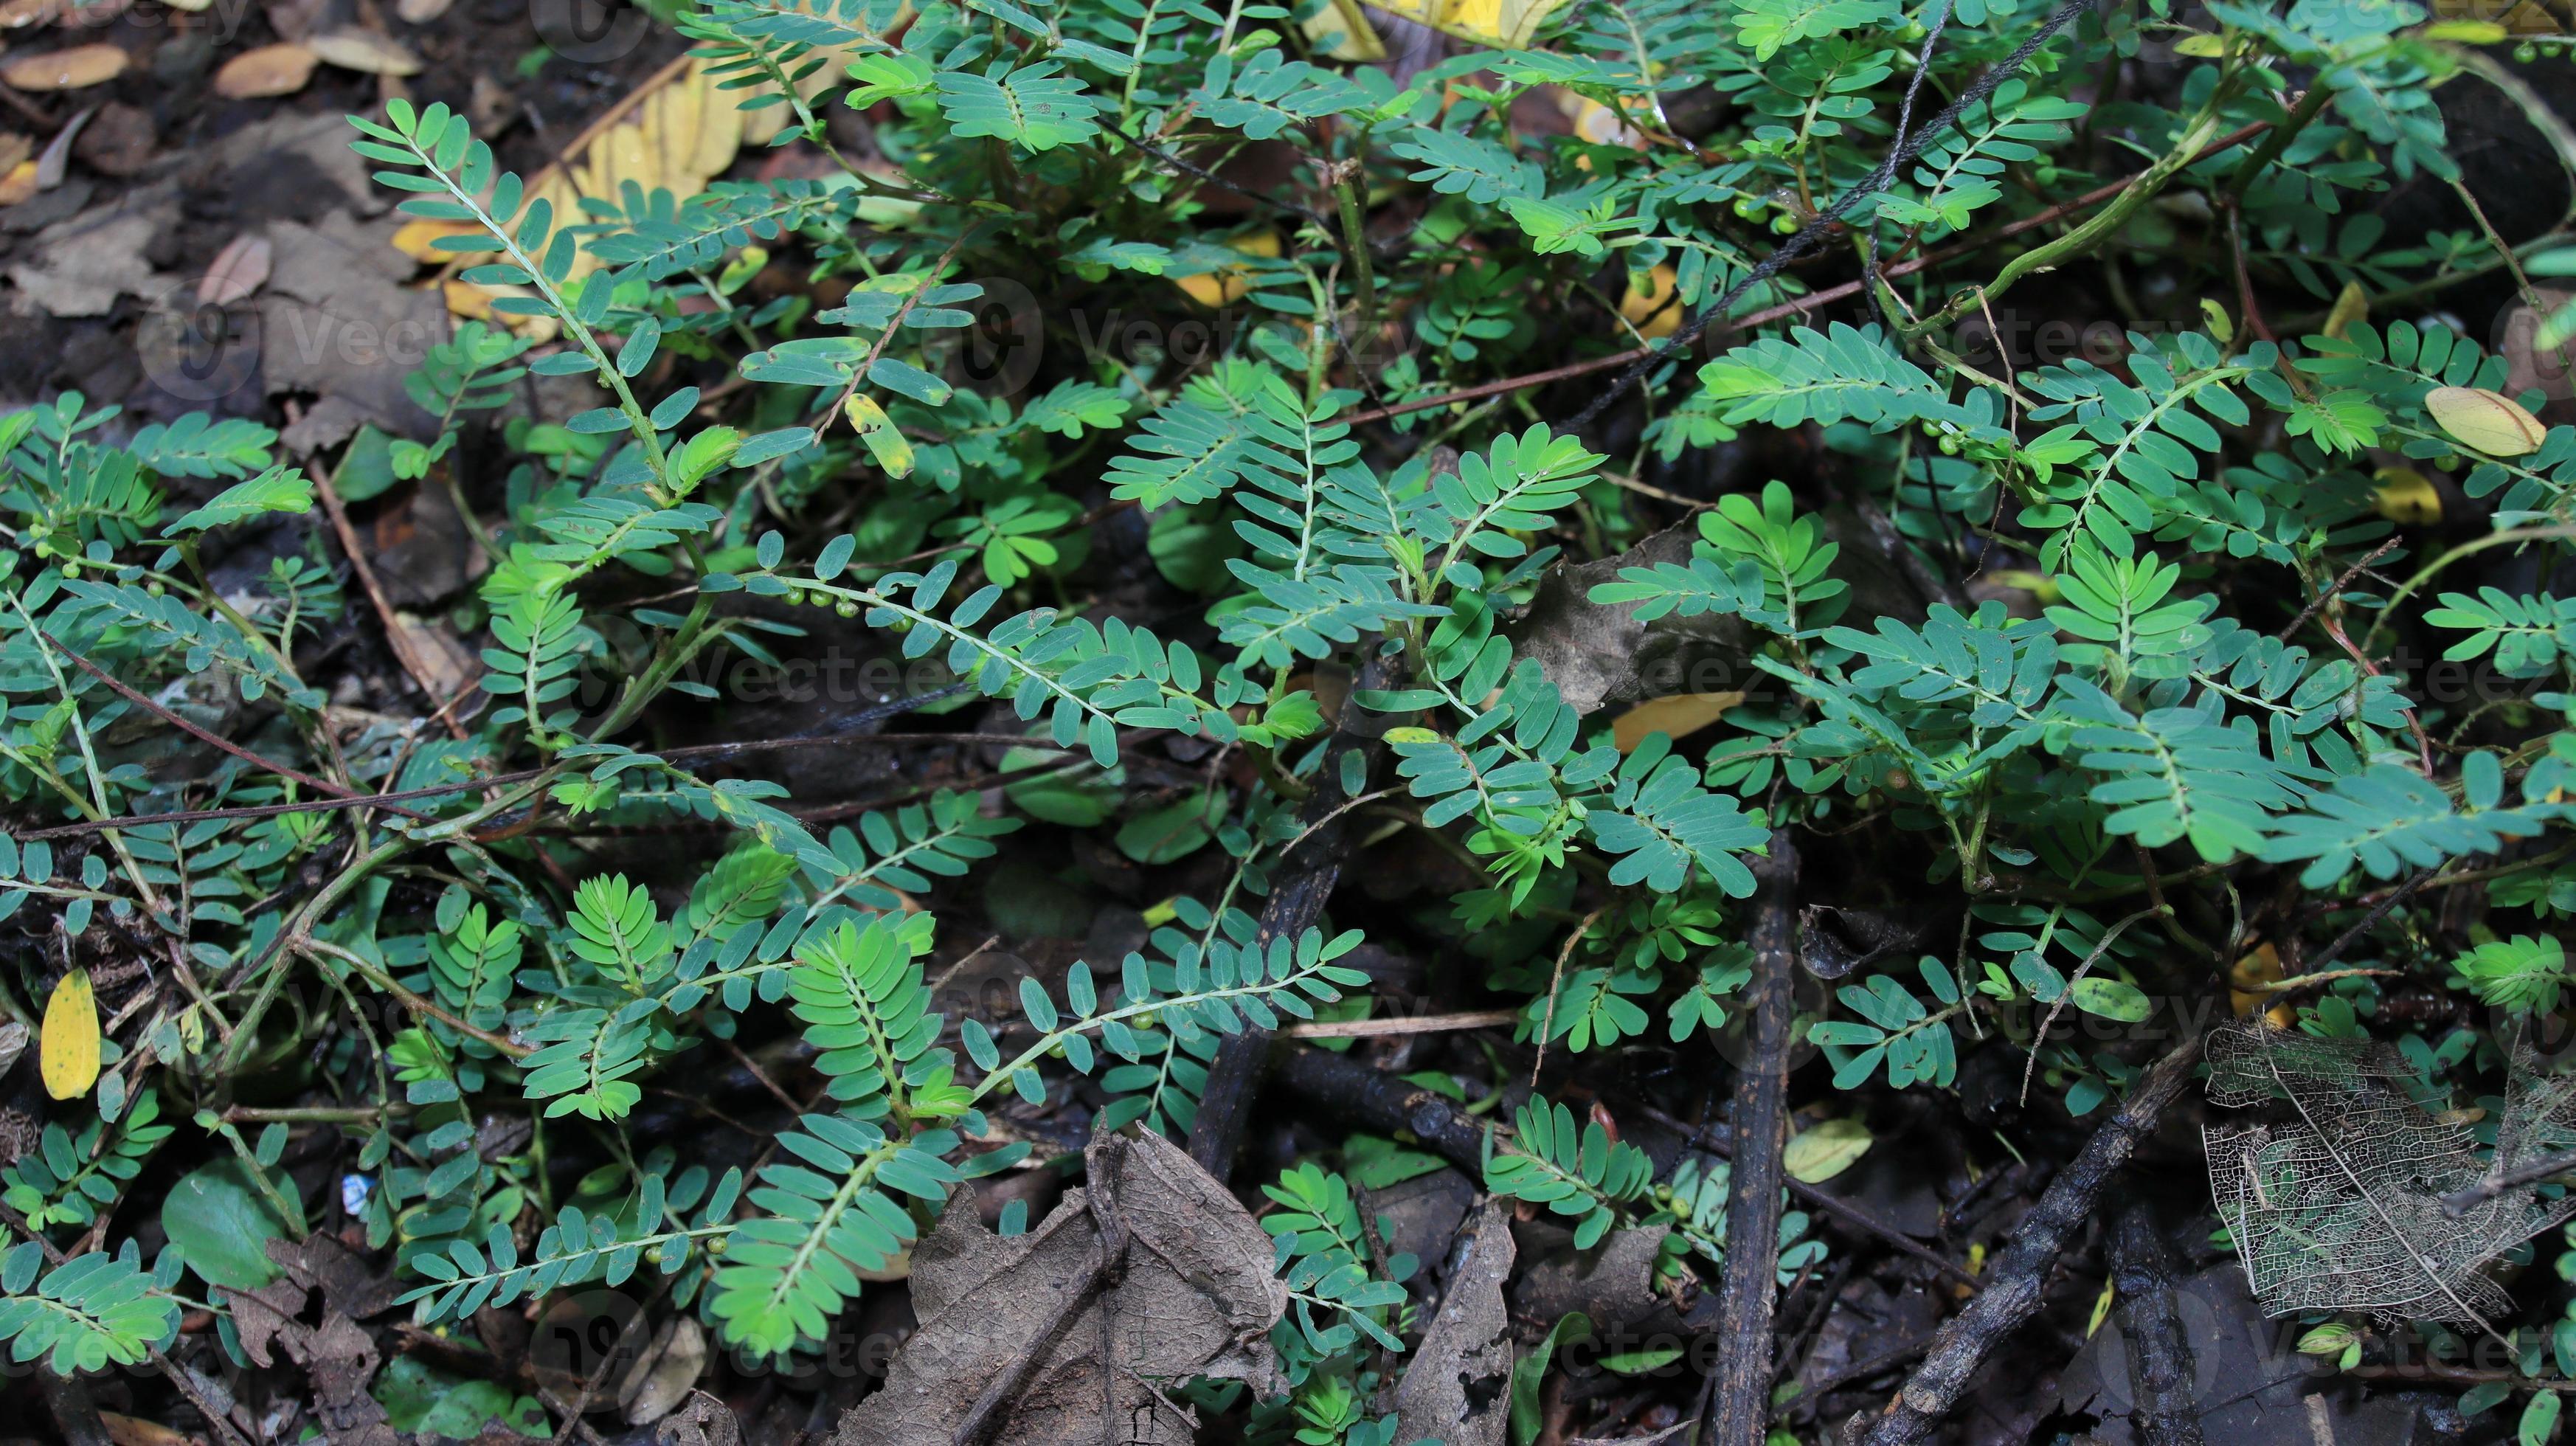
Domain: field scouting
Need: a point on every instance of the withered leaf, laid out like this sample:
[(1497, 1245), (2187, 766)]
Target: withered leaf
[(267, 1316), (660, 1380), (702, 1420), (268, 70), (1457, 1387), (1190, 1294), (344, 1363), (238, 270), (77, 68), (364, 50)]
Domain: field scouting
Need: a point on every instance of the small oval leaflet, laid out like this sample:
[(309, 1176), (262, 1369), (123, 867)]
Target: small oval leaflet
[(2485, 421), (69, 1053)]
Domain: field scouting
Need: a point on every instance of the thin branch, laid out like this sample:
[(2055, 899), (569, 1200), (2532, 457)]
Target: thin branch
[(1799, 306), (139, 700), (2016, 1282), (1740, 1383)]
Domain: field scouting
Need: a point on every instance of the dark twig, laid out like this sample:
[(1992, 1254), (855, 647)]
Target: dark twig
[(1811, 1394), (1383, 1104), (2018, 1279), (2369, 921), (1741, 1380), (2160, 1366), (696, 752), (1191, 168), (323, 785), (1795, 306), (2460, 1202)]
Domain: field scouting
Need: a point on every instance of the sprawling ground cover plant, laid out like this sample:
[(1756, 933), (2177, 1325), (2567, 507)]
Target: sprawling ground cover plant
[(2145, 726)]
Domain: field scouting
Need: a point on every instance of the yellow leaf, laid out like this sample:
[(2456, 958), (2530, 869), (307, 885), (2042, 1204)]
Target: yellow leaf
[(1226, 284), (19, 184), (1820, 1154), (414, 239), (2353, 305), (2101, 1308), (2466, 32), (1410, 734), (624, 155), (2216, 318), (671, 118), (1652, 308), (2201, 47), (1507, 23), (69, 1054), (1347, 25), (1599, 124), (2485, 421), (885, 442), (719, 125), (2406, 495), (1678, 716)]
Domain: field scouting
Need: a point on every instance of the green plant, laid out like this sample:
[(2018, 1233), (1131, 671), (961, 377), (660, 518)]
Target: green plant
[(2175, 698)]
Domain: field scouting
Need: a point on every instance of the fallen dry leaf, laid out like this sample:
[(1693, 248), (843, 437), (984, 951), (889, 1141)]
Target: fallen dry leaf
[(1456, 1386), (660, 1381), (414, 238), (119, 140), (268, 70), (450, 666), (22, 14), (1195, 1297), (1676, 717), (56, 162), (135, 1431), (702, 1420), (74, 69), (237, 271), (366, 51), (19, 184), (421, 12)]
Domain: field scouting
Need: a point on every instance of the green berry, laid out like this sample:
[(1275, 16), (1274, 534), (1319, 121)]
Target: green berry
[(847, 609), (1785, 225), (2526, 53)]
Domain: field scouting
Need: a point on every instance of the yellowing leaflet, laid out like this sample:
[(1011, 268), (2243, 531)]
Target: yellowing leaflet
[(885, 441), (1508, 23), (68, 1056)]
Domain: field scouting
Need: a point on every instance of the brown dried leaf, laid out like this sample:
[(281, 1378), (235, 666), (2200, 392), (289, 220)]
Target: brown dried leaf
[(237, 271), (119, 140), (1194, 1296), (421, 12), (660, 1381), (365, 51), (268, 70), (1676, 717), (702, 1420), (135, 1431), (1457, 1386), (78, 68)]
